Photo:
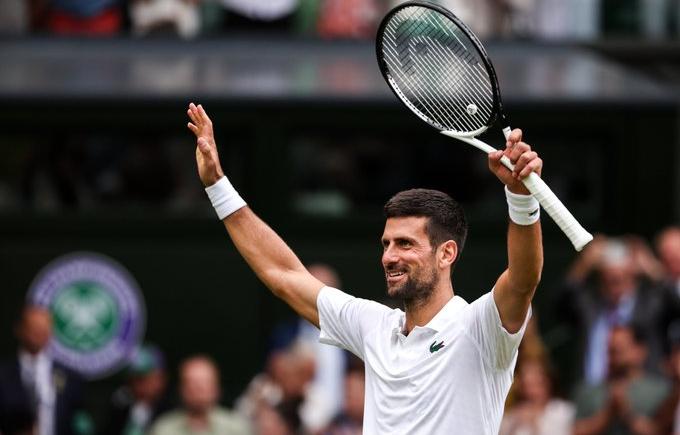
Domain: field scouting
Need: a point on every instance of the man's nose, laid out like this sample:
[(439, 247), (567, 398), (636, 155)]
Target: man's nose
[(389, 256)]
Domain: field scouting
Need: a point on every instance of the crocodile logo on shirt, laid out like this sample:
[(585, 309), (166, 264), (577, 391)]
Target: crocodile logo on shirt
[(436, 346)]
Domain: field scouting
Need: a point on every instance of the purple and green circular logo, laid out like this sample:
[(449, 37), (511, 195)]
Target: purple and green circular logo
[(97, 310)]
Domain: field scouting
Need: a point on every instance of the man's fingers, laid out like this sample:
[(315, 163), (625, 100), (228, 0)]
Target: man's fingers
[(536, 165), (204, 116), (523, 160), (514, 137), (515, 151), (192, 116), (495, 160), (192, 127)]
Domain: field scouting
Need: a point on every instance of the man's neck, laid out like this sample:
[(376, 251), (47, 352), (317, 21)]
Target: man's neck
[(420, 312), (198, 421)]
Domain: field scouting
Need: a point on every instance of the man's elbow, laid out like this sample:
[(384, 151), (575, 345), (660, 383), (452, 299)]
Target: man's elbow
[(281, 282), (528, 282)]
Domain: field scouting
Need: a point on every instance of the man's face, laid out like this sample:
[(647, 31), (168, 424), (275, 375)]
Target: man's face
[(148, 387), (199, 387), (617, 281), (408, 259), (624, 353), (669, 252), (35, 330)]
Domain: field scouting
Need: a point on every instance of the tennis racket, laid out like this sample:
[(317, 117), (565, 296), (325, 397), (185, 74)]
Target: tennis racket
[(439, 69)]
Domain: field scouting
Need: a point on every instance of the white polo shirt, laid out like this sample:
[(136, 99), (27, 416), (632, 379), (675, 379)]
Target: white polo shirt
[(449, 376)]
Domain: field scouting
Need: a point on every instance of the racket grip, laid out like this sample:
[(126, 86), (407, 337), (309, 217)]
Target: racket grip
[(578, 236)]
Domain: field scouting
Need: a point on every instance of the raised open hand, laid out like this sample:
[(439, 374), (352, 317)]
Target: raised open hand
[(207, 159)]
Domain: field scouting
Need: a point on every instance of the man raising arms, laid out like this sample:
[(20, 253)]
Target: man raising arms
[(442, 365)]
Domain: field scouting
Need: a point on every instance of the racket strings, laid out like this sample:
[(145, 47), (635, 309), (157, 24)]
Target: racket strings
[(435, 73), (433, 101), (436, 106), (442, 39), (425, 99), (462, 75), (453, 73)]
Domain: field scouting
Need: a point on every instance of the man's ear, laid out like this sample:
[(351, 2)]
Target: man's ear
[(448, 253)]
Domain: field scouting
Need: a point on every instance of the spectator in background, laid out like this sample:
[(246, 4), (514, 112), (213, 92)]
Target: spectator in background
[(34, 389), (609, 284), (348, 18), (537, 410), (79, 17), (14, 17), (350, 420), (324, 397), (169, 17), (668, 418), (296, 346), (668, 248), (139, 403), (281, 391), (282, 419), (257, 15), (629, 398), (200, 414)]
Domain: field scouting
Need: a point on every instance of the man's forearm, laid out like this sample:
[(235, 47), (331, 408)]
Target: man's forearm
[(274, 263), (525, 256), (264, 251)]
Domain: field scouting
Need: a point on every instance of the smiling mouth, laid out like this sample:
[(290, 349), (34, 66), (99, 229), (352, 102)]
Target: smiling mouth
[(395, 275)]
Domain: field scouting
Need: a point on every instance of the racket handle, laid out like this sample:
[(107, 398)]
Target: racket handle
[(578, 236)]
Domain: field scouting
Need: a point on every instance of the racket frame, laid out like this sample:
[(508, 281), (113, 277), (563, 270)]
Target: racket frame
[(497, 111), (578, 236)]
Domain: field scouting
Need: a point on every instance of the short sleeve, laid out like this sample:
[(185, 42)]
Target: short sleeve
[(498, 346), (345, 320)]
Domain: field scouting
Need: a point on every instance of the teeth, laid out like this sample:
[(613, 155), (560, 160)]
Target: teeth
[(393, 274)]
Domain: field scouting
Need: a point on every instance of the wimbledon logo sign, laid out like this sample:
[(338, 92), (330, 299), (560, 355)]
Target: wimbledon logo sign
[(97, 310)]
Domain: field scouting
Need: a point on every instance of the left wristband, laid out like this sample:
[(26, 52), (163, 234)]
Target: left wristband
[(224, 198)]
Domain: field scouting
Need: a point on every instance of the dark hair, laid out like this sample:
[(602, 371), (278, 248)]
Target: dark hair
[(446, 219)]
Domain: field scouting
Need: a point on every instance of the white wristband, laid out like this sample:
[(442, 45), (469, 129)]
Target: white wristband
[(225, 199), (523, 209)]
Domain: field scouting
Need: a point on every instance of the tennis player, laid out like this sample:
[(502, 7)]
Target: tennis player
[(442, 365)]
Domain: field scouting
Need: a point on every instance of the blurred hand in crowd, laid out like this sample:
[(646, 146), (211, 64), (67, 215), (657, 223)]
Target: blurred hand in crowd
[(644, 261)]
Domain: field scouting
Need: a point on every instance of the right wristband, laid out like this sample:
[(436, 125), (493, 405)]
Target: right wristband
[(224, 198), (522, 209)]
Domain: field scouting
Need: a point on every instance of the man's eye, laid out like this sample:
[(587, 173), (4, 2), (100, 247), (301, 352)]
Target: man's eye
[(405, 244)]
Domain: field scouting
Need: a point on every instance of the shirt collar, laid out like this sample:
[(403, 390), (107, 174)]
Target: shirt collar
[(448, 312), (440, 320), (27, 359)]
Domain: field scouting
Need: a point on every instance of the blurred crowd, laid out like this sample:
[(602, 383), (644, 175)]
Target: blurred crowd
[(543, 19), (621, 304), (619, 300)]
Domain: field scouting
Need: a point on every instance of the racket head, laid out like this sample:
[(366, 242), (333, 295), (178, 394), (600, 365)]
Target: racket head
[(438, 68)]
